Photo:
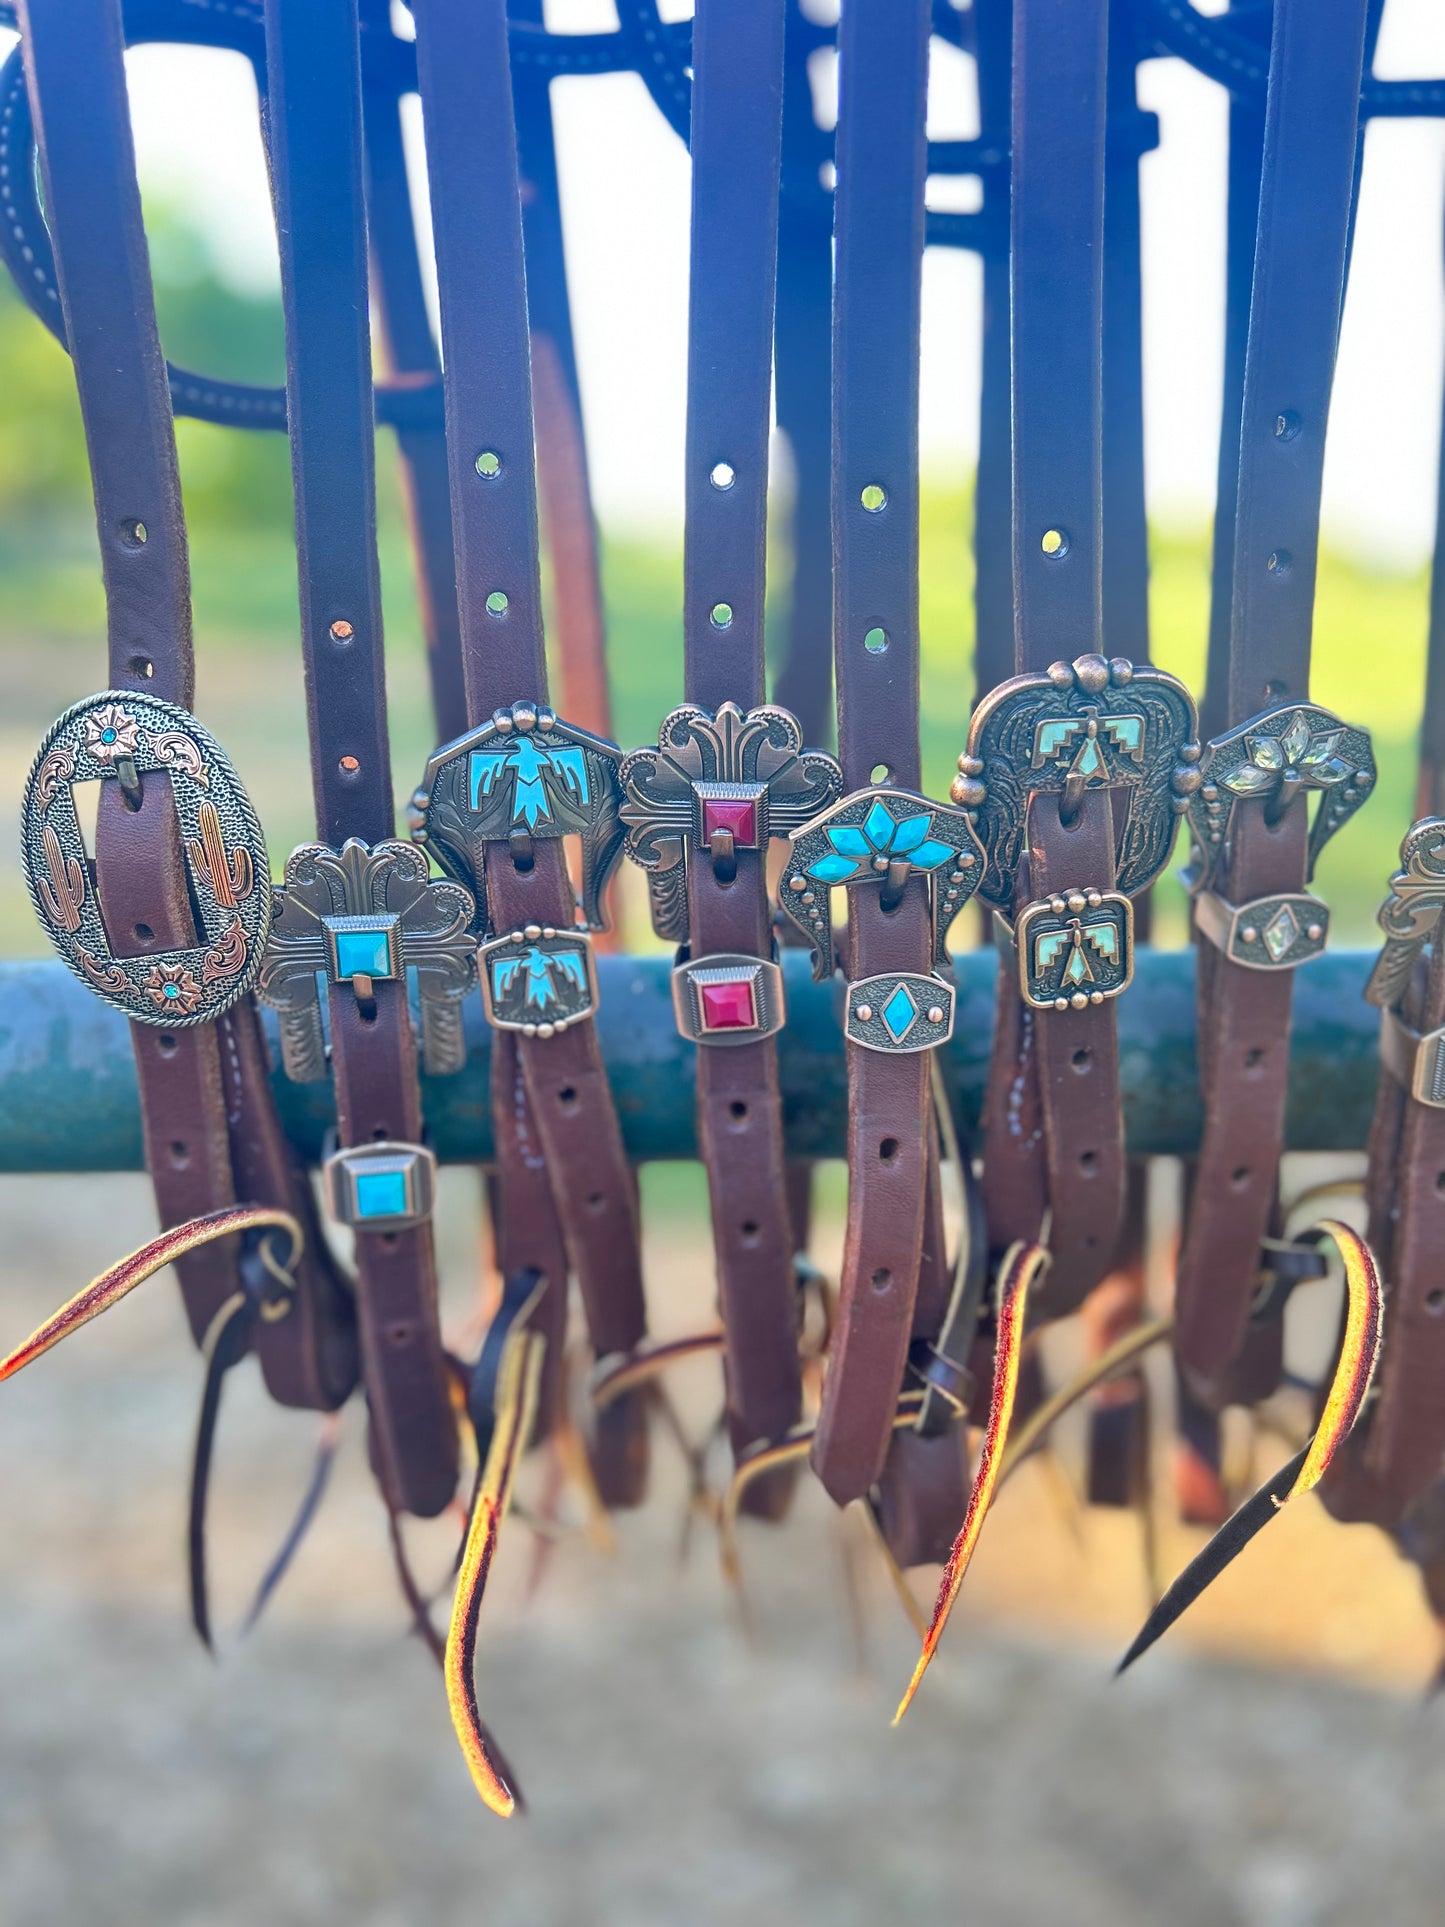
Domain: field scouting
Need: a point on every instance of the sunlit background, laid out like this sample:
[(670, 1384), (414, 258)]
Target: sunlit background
[(687, 1762)]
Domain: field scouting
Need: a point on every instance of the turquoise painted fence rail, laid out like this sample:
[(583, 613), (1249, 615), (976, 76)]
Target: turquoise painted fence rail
[(68, 1092)]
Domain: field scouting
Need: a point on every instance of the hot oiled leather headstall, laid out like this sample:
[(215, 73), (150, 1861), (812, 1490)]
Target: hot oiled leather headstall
[(1395, 1458), (357, 911), (170, 921), (1077, 769), (1254, 843), (526, 1233), (908, 865), (730, 773), (495, 804)]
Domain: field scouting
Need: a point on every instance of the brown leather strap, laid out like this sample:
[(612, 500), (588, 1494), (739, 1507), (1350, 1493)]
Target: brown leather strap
[(883, 77), (471, 145), (1310, 142), (1055, 1132), (569, 528), (409, 356), (1397, 1453), (1077, 1055), (210, 1127), (736, 146), (1400, 1453), (526, 1234), (315, 146)]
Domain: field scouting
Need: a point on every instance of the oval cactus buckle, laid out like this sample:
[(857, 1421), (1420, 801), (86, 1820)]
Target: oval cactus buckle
[(120, 737)]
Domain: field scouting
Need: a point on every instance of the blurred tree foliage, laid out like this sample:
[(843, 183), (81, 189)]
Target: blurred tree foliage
[(239, 480)]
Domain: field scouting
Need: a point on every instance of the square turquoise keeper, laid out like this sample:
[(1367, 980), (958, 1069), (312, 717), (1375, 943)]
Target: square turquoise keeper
[(362, 953), (380, 1194)]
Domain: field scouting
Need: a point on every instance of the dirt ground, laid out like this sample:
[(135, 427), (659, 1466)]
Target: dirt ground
[(1272, 1766)]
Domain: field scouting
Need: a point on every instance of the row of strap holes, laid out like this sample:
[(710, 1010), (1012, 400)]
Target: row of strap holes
[(722, 476), (142, 668), (133, 534)]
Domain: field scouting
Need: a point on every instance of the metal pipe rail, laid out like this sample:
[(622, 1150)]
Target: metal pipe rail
[(68, 1089)]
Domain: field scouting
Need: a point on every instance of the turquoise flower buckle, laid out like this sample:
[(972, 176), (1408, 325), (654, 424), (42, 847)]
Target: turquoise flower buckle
[(880, 838)]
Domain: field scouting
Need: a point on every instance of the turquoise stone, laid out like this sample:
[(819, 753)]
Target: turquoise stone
[(899, 1013), (107, 735), (362, 953), (850, 840), (172, 990), (833, 869), (381, 1194), (911, 832), (878, 825), (928, 856)]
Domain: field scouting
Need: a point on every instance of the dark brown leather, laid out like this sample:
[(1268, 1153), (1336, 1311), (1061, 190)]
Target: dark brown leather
[(1399, 1454), (804, 680), (883, 74), (1078, 1073), (141, 879), (526, 1233), (313, 123), (409, 355), (1307, 178), (1054, 1128), (210, 1127), (476, 216), (736, 147)]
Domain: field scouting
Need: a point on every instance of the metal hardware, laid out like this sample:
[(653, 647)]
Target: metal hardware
[(362, 915), (880, 837), (1090, 724), (72, 1105), (379, 1187), (1268, 933), (899, 1012), (1410, 913), (1278, 756), (1073, 949), (538, 980), (524, 775), (221, 836), (720, 781), (1413, 1059), (728, 998)]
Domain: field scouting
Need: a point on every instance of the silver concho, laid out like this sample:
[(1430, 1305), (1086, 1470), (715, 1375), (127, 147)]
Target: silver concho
[(526, 774), (1296, 748), (357, 916), (744, 775), (1090, 724), (871, 837), (1411, 913), (121, 736)]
